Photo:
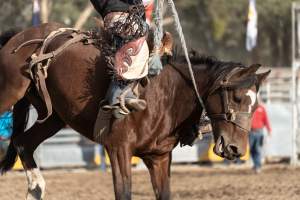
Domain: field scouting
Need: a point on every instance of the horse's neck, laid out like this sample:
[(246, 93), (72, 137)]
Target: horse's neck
[(178, 93), (201, 75)]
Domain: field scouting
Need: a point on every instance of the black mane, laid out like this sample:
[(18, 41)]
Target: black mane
[(217, 69)]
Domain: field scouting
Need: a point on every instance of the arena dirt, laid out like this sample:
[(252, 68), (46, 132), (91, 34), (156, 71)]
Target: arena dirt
[(188, 183)]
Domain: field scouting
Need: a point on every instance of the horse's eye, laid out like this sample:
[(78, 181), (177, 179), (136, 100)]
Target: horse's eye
[(237, 96)]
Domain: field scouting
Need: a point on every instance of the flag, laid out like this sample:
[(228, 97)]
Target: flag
[(251, 26), (36, 20)]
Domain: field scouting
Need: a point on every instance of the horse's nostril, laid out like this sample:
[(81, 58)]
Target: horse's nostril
[(233, 149)]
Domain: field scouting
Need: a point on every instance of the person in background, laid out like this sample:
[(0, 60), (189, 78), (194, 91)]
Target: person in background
[(256, 137), (149, 8)]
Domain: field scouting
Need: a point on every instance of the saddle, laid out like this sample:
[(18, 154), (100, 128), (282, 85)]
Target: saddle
[(40, 61)]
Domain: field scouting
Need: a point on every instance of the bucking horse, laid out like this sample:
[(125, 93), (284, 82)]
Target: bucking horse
[(77, 80)]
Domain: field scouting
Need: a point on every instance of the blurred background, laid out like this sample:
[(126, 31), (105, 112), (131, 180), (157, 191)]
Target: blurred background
[(214, 27)]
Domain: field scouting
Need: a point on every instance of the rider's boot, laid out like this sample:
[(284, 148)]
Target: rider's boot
[(122, 100)]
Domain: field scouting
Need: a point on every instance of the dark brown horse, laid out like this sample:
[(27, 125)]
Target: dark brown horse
[(77, 81)]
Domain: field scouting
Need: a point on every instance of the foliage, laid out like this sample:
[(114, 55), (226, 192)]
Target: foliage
[(15, 13), (67, 11), (221, 29)]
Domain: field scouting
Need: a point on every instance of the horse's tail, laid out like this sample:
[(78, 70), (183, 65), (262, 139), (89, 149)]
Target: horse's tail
[(6, 36), (20, 119)]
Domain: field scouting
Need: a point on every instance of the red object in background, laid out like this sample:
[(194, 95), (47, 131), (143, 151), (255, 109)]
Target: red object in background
[(149, 7), (260, 119)]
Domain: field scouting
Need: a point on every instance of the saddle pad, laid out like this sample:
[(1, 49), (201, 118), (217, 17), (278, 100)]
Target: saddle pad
[(6, 123)]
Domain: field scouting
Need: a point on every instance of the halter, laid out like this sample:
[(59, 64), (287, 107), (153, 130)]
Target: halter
[(240, 119)]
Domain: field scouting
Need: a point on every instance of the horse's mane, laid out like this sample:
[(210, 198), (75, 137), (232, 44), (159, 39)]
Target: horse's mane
[(216, 67), (6, 36)]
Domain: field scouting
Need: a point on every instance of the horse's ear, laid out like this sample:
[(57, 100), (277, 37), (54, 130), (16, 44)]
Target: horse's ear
[(251, 69), (261, 77), (167, 44), (248, 71)]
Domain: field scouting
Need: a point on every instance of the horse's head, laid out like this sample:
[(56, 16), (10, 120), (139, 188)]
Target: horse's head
[(230, 104)]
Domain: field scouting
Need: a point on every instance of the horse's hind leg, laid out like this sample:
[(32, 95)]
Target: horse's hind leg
[(12, 89), (159, 168), (26, 145)]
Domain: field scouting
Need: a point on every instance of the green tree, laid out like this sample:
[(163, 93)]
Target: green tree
[(15, 13), (221, 29)]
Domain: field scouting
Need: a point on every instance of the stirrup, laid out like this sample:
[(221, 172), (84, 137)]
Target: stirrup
[(118, 113), (135, 104), (109, 107), (115, 110)]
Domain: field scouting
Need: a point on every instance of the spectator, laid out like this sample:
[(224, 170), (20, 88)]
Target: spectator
[(256, 136)]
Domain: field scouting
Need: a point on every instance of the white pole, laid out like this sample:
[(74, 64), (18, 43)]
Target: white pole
[(295, 119), (45, 11), (294, 88), (268, 92)]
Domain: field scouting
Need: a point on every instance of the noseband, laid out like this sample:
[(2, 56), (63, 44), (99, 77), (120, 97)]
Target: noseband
[(240, 119)]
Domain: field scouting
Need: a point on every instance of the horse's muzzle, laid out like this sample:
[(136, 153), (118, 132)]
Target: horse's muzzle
[(228, 151)]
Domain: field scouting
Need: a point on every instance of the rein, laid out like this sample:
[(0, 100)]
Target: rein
[(184, 46)]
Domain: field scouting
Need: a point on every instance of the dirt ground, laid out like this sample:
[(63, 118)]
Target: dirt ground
[(188, 183)]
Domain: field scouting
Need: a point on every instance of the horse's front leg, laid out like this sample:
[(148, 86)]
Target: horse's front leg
[(159, 168), (120, 159)]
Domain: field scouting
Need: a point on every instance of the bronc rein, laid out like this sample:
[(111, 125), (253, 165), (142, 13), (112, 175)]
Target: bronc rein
[(229, 114)]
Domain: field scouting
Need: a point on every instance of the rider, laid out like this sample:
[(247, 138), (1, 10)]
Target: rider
[(125, 21), (127, 53)]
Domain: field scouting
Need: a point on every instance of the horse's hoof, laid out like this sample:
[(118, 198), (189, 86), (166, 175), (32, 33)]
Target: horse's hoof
[(34, 195)]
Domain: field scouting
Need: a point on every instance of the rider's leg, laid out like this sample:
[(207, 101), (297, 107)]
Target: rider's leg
[(127, 31)]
